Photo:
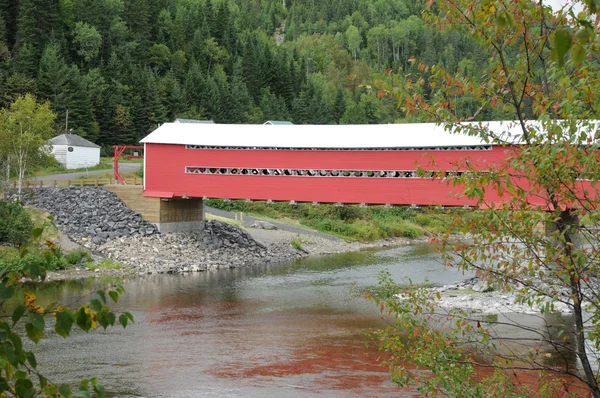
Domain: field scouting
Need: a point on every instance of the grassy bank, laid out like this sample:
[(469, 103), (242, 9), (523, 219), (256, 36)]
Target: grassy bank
[(348, 222), (106, 163)]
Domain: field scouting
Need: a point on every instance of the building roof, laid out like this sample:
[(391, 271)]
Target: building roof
[(193, 121), (413, 135), (277, 122), (73, 140)]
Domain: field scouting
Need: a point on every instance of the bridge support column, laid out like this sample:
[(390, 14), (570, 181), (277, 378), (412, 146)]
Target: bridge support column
[(169, 215), (180, 215)]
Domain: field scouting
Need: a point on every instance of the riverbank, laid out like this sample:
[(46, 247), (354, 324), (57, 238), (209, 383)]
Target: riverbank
[(217, 246)]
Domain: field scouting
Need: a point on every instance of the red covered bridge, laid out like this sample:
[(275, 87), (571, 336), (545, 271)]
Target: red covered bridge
[(370, 164), (362, 164)]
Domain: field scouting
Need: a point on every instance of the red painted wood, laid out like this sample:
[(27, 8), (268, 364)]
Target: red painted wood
[(177, 155), (166, 177)]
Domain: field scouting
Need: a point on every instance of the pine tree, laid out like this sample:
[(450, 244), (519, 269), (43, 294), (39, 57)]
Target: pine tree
[(26, 61), (209, 17), (339, 106), (37, 23), (137, 17), (79, 104)]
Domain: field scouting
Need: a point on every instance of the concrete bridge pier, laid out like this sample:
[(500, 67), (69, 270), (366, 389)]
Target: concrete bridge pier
[(169, 215)]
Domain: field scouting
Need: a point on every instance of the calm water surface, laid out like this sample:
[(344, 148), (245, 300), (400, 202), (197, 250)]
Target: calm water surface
[(291, 330)]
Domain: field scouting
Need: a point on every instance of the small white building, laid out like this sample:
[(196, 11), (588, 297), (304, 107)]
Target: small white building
[(75, 152)]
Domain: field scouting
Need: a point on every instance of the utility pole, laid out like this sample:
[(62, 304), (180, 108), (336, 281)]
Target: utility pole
[(67, 123)]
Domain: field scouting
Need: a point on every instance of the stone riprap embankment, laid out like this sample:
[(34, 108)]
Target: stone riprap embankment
[(90, 213), (217, 245), (99, 221)]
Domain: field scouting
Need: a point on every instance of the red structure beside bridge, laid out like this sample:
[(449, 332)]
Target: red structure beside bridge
[(368, 164)]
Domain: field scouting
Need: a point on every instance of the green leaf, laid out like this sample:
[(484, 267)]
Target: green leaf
[(19, 375), (64, 322), (3, 384), (83, 320), (102, 319), (34, 271), (584, 34), (95, 305), (102, 295), (123, 320), (83, 394), (24, 388), (37, 320), (65, 391), (37, 232), (577, 53), (114, 296), (128, 315), (111, 317), (84, 391), (562, 43), (6, 292), (16, 341), (106, 318), (34, 333), (31, 359), (43, 381), (99, 389)]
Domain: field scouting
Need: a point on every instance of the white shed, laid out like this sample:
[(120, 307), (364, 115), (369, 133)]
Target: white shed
[(75, 152)]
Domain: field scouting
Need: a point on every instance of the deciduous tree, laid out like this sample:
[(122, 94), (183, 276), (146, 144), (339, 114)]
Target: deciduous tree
[(25, 127), (542, 71)]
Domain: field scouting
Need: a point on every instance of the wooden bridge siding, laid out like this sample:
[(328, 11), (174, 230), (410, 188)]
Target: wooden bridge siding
[(316, 189), (165, 166), (178, 156)]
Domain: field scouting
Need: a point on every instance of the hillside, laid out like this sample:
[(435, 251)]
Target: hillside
[(122, 67)]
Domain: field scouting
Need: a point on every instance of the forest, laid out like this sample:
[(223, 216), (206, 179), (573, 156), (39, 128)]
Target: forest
[(119, 68)]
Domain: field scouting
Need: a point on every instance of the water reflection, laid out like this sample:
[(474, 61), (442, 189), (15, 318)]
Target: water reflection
[(288, 330)]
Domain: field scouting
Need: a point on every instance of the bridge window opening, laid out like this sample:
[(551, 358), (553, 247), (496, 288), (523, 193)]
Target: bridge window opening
[(322, 173), (254, 148)]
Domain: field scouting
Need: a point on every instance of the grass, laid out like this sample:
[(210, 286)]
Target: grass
[(105, 264), (106, 163), (348, 222), (297, 242), (225, 220)]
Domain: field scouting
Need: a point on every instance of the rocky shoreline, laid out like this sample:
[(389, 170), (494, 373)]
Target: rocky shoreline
[(475, 295), (97, 220)]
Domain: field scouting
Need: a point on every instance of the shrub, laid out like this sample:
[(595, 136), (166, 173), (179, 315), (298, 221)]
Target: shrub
[(15, 224)]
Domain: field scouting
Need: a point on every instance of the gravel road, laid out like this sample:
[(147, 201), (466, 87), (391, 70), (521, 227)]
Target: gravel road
[(248, 221)]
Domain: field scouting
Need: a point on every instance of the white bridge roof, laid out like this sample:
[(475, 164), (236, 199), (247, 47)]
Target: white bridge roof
[(411, 135)]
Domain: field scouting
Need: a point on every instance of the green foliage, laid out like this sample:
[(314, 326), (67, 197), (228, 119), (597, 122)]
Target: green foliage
[(15, 224), (26, 319), (526, 238), (296, 243), (348, 222), (449, 344), (120, 68)]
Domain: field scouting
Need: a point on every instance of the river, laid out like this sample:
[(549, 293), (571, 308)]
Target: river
[(287, 330)]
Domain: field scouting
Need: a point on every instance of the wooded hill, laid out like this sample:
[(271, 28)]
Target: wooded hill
[(121, 67)]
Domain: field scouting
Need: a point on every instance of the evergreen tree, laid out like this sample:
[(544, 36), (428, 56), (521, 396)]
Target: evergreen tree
[(339, 106), (54, 81), (273, 108), (25, 61), (37, 23)]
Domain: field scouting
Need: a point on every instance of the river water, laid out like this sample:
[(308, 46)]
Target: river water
[(287, 330)]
